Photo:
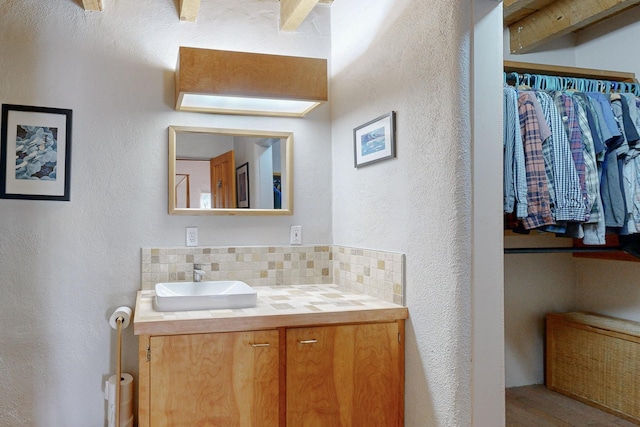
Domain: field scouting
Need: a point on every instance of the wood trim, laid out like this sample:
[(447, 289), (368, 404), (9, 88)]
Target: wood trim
[(282, 332), (287, 206), (294, 12), (93, 5), (612, 242), (143, 381), (562, 71), (401, 370), (515, 10), (196, 326), (189, 10)]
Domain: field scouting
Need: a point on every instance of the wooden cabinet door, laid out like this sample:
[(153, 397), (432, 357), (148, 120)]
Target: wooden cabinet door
[(223, 180), (344, 376), (223, 379)]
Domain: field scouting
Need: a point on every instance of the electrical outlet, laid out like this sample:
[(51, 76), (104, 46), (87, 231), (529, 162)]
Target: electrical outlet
[(192, 236), (296, 234)]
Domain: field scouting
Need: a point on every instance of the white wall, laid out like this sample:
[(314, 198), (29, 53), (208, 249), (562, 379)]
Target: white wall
[(412, 57), (487, 302), (610, 287), (67, 265), (534, 285)]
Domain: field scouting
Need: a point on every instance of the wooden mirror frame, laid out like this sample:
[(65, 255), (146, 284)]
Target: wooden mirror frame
[(287, 137)]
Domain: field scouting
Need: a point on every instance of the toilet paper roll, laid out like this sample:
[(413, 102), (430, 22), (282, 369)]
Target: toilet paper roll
[(125, 313), (126, 389), (126, 400)]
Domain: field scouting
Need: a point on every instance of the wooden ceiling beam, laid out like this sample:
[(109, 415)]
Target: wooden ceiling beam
[(559, 18), (92, 5), (189, 10), (515, 10), (294, 12)]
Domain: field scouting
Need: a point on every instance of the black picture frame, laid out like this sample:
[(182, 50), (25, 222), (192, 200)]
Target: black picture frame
[(35, 153), (242, 186)]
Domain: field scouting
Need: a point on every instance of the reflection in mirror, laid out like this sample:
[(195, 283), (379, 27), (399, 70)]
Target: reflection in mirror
[(230, 171)]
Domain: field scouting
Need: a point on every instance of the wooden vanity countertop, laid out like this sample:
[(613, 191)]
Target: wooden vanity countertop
[(278, 306)]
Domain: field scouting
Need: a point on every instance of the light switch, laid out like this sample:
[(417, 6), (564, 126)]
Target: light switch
[(296, 234)]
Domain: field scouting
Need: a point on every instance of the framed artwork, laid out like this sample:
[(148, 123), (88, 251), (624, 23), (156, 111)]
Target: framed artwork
[(242, 183), (375, 140), (35, 153)]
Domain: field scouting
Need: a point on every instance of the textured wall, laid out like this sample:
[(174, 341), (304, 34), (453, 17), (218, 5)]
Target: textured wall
[(534, 285), (412, 57), (66, 266)]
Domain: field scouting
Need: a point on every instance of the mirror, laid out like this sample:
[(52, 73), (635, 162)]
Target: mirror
[(230, 172)]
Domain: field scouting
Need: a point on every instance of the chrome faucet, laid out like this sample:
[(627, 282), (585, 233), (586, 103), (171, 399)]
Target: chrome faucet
[(198, 273)]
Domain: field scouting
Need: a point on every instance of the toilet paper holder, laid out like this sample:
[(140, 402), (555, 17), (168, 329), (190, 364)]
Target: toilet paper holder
[(119, 320)]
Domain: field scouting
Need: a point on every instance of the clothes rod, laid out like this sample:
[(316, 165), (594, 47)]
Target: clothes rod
[(510, 251)]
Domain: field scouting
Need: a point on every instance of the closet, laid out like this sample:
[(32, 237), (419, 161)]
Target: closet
[(534, 78), (545, 273)]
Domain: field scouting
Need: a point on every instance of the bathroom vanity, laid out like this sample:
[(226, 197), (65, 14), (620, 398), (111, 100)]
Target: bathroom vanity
[(309, 355)]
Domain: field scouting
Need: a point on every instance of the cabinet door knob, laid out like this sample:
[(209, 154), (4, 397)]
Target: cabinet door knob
[(308, 341), (266, 344)]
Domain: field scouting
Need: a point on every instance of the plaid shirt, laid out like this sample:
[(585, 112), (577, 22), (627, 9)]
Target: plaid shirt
[(592, 181), (534, 131)]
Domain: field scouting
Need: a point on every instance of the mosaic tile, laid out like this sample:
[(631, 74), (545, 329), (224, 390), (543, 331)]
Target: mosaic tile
[(366, 271)]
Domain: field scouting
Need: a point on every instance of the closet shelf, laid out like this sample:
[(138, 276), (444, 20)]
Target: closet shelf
[(562, 71)]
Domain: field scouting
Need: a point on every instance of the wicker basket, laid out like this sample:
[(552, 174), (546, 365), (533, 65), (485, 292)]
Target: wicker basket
[(595, 359)]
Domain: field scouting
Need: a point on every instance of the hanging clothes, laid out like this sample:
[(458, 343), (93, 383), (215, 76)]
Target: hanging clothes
[(572, 159), (534, 132), (594, 227), (514, 172)]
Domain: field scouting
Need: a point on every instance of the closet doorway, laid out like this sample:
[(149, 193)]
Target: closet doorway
[(535, 284)]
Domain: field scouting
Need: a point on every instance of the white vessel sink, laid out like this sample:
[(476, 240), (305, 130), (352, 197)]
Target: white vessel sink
[(186, 296)]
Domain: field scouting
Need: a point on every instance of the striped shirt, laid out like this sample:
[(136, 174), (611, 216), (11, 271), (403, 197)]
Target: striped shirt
[(568, 196), (515, 174), (566, 109)]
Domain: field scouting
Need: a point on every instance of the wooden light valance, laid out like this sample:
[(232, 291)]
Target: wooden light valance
[(226, 82)]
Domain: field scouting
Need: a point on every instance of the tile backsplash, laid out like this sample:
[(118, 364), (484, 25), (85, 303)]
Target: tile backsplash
[(375, 273)]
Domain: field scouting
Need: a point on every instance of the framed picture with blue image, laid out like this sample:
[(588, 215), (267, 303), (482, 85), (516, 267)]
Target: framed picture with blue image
[(35, 153), (375, 140)]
